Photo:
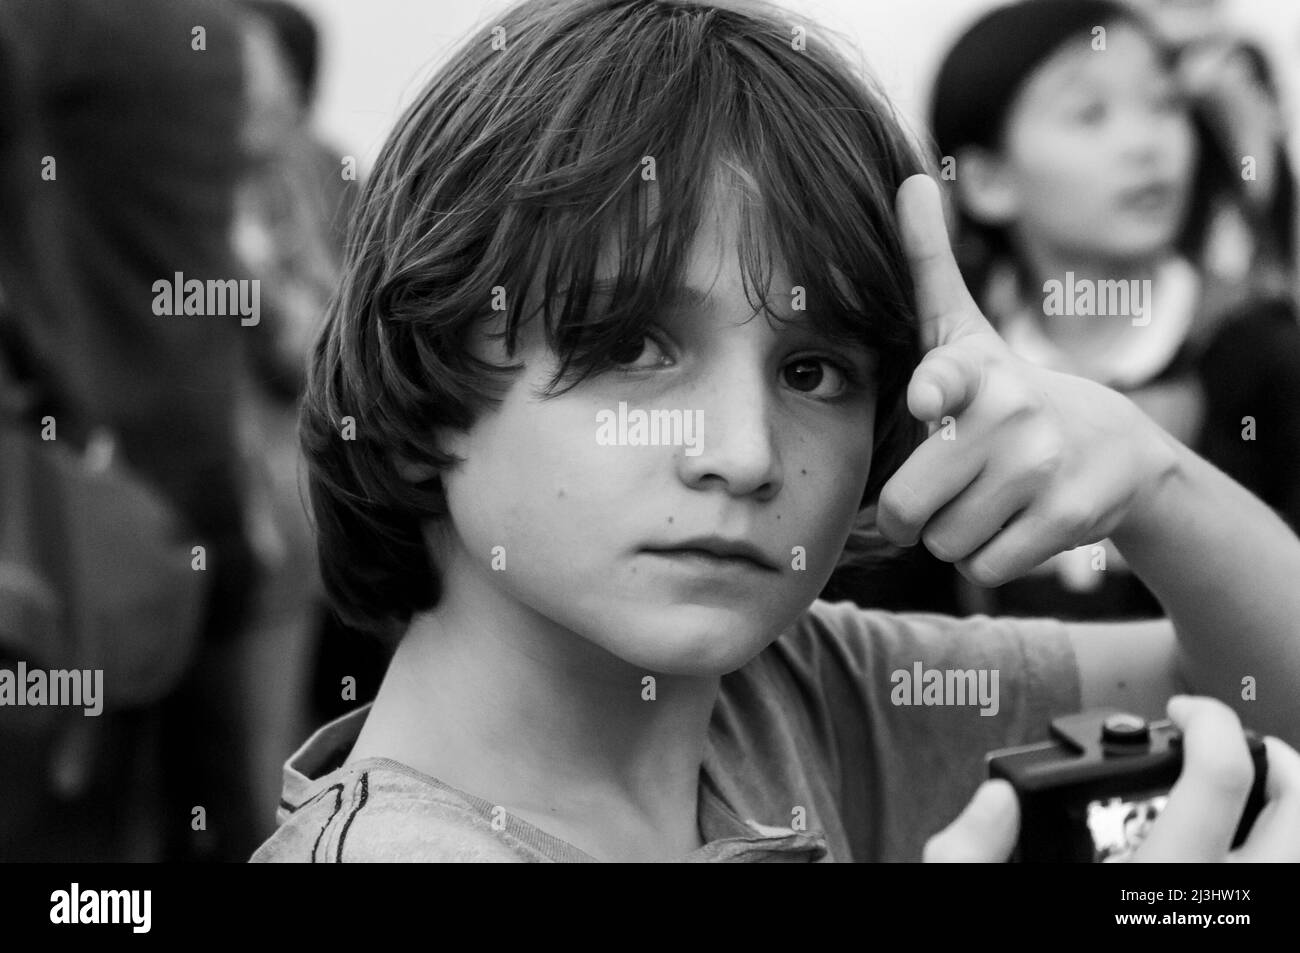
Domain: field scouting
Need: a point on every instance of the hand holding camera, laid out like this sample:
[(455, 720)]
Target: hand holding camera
[(1101, 791)]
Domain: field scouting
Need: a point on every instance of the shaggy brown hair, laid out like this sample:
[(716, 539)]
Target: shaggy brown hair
[(512, 166)]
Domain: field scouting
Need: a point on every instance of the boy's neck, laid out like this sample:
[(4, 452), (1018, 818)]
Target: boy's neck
[(492, 698)]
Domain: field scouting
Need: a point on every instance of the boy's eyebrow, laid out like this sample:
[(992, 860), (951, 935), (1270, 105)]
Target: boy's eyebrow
[(678, 298), (683, 297), (670, 297), (675, 299)]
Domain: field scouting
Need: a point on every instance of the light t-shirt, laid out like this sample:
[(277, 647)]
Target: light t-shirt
[(819, 749)]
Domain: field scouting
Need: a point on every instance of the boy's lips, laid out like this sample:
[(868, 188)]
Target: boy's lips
[(716, 550)]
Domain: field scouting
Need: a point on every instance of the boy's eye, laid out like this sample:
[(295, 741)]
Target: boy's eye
[(808, 375), (639, 351)]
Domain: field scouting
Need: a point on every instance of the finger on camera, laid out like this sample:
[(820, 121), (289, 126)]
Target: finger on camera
[(985, 832), (1205, 804), (1275, 835)]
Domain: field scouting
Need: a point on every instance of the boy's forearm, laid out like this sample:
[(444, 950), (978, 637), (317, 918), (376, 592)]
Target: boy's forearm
[(1226, 569)]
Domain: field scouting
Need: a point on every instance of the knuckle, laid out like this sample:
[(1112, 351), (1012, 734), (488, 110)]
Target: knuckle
[(1042, 468), (1063, 532), (1020, 403), (1070, 517), (1047, 452), (940, 366)]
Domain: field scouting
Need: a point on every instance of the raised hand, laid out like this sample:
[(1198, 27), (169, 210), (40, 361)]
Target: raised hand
[(1023, 462)]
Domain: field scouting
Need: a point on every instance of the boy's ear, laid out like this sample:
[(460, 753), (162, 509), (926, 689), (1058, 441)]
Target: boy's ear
[(985, 187)]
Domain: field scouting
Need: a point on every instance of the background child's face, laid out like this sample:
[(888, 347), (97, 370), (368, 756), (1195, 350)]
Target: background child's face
[(783, 458), (1099, 151)]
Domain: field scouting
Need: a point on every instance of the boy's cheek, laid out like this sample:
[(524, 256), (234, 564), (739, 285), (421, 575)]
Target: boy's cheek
[(817, 533)]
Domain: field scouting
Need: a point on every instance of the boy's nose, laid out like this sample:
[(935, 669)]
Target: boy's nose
[(737, 450)]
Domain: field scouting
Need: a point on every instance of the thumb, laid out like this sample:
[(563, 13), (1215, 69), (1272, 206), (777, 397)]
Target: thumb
[(985, 832), (946, 380)]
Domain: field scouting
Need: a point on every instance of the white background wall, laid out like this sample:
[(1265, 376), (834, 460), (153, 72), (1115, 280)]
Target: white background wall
[(376, 53)]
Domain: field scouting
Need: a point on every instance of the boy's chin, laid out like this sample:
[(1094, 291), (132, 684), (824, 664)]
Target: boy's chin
[(695, 641)]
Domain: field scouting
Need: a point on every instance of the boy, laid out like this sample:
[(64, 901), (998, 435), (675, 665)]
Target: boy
[(614, 652)]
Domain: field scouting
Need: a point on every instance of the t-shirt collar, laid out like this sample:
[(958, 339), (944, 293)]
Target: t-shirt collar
[(726, 836)]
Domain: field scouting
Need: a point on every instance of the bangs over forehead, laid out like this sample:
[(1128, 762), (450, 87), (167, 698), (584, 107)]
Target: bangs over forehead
[(613, 125), (673, 108)]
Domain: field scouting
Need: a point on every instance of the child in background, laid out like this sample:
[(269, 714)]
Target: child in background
[(1079, 165), (1229, 81), (609, 647)]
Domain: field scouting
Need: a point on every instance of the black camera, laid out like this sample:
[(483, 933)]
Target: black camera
[(1092, 792)]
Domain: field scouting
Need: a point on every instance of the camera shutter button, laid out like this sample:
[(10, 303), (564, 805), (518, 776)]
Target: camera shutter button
[(1125, 729)]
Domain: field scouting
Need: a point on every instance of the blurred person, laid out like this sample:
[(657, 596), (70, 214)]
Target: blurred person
[(62, 797), (140, 104), (1079, 170), (1232, 84), (296, 229), (294, 202), (1181, 23), (325, 186), (333, 175), (288, 233)]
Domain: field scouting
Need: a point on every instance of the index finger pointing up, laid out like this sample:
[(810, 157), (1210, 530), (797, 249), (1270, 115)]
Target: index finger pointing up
[(948, 311)]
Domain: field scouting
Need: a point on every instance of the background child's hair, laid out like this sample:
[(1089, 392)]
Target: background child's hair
[(516, 161), (977, 85)]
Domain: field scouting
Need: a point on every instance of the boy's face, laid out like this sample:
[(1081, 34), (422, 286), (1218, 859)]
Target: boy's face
[(1099, 151), (607, 537)]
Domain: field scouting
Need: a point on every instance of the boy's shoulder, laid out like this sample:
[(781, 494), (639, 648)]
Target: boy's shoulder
[(374, 811), (860, 635), (845, 649), (876, 723)]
